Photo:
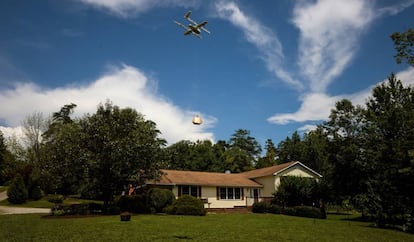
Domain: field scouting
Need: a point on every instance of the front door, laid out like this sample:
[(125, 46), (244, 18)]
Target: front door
[(256, 195)]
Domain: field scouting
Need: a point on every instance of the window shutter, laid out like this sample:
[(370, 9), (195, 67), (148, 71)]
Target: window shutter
[(179, 191), (242, 192), (218, 193), (199, 191)]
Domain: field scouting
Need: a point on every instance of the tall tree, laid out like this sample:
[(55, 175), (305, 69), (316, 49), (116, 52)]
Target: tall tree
[(34, 126), (63, 166), (316, 151), (291, 149), (122, 147), (404, 45), (390, 114), (242, 140), (3, 151), (270, 157), (237, 160), (344, 129), (178, 155)]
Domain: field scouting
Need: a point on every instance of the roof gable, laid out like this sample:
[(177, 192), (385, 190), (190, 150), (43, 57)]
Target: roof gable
[(278, 169)]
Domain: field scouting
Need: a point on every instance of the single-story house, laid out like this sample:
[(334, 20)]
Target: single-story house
[(229, 190)]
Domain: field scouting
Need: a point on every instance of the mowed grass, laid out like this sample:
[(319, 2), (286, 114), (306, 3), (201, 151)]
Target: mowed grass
[(213, 227)]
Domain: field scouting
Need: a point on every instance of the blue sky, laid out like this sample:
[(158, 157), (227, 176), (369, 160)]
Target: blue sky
[(270, 67)]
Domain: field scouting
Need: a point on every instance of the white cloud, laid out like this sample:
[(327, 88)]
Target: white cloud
[(127, 8), (125, 86), (329, 30), (315, 106), (16, 132), (308, 127), (394, 9), (318, 106), (263, 38)]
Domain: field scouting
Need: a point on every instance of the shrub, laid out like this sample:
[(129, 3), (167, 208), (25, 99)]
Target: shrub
[(17, 193), (56, 198), (308, 212), (125, 203), (259, 207), (275, 209), (158, 199), (36, 193), (186, 205), (295, 191), (132, 203), (77, 209), (305, 211)]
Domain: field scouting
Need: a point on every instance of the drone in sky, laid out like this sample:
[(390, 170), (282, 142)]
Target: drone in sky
[(193, 28)]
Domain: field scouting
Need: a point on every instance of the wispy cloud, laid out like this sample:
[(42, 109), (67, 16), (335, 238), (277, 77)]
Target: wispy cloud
[(263, 38), (394, 9), (127, 8), (317, 106), (125, 86), (329, 33)]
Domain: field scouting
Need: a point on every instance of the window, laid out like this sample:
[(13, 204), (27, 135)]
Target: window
[(194, 191), (231, 193)]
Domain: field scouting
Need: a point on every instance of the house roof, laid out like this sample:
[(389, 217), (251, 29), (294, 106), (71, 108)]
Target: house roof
[(275, 170), (174, 177), (245, 179)]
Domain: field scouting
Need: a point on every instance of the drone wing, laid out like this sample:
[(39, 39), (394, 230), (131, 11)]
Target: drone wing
[(191, 21), (201, 26), (187, 15), (181, 25)]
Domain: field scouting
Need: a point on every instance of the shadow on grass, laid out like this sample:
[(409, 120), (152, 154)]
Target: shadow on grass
[(184, 237)]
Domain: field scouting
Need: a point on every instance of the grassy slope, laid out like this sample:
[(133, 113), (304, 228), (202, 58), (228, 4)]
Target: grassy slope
[(215, 227)]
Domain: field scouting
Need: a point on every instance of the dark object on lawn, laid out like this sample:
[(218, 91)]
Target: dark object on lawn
[(125, 216)]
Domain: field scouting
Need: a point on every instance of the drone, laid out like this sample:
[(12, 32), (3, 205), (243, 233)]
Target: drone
[(197, 120), (193, 28)]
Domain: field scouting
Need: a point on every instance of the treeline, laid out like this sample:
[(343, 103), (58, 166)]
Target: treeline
[(365, 153)]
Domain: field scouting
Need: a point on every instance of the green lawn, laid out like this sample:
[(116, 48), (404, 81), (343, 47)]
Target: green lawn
[(213, 227)]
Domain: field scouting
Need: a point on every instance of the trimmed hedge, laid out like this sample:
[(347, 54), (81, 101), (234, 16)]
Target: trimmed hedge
[(300, 211), (159, 198), (77, 209), (186, 205)]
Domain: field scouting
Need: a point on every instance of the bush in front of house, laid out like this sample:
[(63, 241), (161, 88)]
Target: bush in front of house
[(132, 203), (17, 192), (305, 211), (275, 209), (260, 207), (159, 198), (300, 211), (186, 205)]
